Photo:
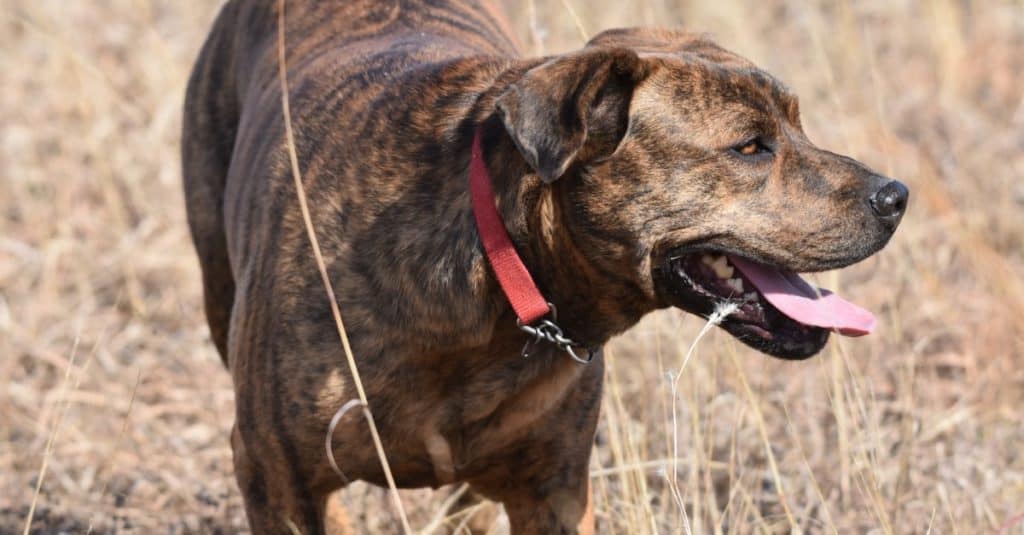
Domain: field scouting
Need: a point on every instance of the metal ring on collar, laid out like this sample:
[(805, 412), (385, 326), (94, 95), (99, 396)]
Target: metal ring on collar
[(548, 330), (590, 354)]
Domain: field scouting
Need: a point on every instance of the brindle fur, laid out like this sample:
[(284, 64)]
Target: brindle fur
[(604, 160)]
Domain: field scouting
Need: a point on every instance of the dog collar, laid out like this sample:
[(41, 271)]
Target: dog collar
[(535, 315)]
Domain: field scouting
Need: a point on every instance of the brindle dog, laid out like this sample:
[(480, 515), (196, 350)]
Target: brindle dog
[(614, 167)]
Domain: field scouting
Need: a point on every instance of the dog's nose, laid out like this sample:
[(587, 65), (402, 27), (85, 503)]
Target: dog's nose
[(890, 201)]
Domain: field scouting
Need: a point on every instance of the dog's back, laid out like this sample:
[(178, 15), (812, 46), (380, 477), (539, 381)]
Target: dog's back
[(354, 69)]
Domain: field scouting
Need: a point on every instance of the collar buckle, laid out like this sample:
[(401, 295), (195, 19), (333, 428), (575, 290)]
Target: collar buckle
[(549, 331)]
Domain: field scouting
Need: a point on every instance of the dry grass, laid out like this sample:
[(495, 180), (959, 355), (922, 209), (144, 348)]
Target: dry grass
[(917, 428)]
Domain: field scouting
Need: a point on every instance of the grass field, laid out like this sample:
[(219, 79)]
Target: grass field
[(113, 392)]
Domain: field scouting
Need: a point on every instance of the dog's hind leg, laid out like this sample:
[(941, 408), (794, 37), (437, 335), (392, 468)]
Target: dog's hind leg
[(208, 136)]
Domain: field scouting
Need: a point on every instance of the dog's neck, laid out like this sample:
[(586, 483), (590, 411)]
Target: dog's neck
[(538, 219)]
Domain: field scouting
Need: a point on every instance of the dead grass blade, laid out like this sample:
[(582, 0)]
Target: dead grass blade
[(584, 36), (117, 442), (62, 410), (762, 428)]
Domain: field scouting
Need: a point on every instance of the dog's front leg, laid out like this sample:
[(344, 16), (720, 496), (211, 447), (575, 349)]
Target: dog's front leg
[(567, 509), (544, 482)]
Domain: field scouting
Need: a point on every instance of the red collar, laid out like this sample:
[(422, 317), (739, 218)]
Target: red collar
[(515, 280)]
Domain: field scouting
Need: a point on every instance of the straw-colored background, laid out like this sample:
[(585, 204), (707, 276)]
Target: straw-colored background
[(103, 347)]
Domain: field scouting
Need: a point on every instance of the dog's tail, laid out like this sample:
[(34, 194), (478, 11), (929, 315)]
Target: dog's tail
[(208, 137)]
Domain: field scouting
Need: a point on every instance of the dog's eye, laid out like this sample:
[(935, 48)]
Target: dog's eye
[(752, 147)]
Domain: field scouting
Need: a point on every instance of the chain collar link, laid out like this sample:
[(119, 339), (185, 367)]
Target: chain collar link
[(549, 331)]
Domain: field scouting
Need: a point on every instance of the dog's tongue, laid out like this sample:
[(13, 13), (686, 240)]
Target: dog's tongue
[(795, 298)]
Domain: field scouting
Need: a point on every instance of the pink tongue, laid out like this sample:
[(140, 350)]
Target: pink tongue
[(798, 300)]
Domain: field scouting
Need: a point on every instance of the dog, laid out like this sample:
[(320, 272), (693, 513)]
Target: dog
[(649, 169)]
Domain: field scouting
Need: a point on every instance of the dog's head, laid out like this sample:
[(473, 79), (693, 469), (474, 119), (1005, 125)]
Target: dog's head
[(685, 172)]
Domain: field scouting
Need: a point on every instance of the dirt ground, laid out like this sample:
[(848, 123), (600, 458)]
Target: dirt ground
[(113, 393)]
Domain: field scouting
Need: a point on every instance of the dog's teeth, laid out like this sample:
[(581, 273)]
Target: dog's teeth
[(735, 284), (722, 268), (752, 297), (707, 259)]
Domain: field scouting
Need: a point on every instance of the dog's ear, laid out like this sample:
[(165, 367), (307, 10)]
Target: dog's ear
[(571, 109)]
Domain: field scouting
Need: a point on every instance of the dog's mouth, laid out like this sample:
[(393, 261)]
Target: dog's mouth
[(769, 308)]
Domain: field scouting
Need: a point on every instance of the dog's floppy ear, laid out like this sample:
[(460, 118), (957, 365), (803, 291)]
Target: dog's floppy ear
[(571, 109)]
